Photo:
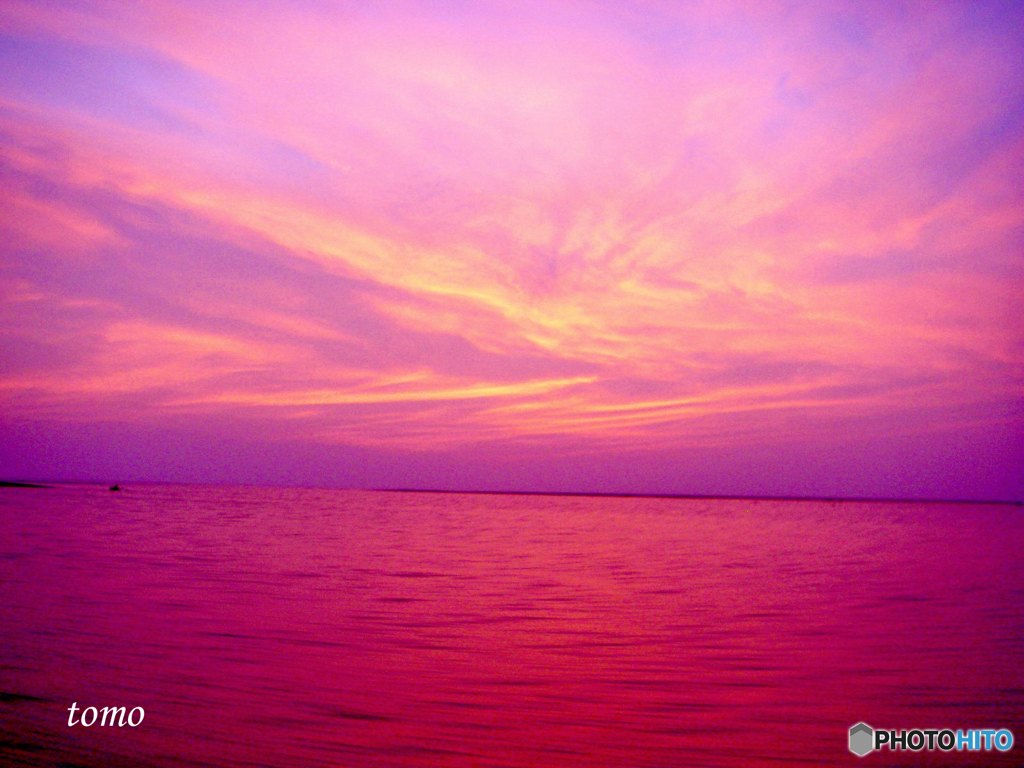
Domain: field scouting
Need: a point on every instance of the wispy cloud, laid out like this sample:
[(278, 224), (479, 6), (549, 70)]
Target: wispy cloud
[(423, 226)]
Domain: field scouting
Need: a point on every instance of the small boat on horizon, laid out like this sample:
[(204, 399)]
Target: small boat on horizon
[(115, 487)]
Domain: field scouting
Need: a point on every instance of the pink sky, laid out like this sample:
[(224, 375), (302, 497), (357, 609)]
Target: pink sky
[(708, 247)]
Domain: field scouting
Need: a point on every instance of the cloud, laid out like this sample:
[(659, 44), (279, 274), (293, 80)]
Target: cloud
[(633, 223)]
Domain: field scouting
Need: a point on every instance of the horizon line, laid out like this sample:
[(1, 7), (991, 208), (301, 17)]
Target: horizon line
[(740, 497), (598, 494)]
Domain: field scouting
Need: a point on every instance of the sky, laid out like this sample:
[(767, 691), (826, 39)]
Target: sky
[(726, 247)]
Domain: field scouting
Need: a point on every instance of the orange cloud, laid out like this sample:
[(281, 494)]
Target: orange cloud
[(631, 225)]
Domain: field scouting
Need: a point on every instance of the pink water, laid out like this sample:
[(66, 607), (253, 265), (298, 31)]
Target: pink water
[(273, 627)]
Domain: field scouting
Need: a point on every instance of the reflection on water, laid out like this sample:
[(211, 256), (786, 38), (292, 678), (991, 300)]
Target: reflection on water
[(286, 627)]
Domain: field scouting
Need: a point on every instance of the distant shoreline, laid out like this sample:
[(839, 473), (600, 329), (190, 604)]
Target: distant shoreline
[(711, 496), (694, 496)]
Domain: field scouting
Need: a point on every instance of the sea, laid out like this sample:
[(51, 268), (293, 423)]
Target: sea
[(304, 627)]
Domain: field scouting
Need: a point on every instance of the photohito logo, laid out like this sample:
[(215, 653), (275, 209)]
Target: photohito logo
[(865, 739), (861, 739)]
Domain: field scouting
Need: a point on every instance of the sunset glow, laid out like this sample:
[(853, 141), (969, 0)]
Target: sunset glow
[(651, 247)]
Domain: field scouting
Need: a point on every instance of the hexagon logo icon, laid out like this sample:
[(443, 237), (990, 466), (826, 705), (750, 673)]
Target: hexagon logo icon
[(862, 738)]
